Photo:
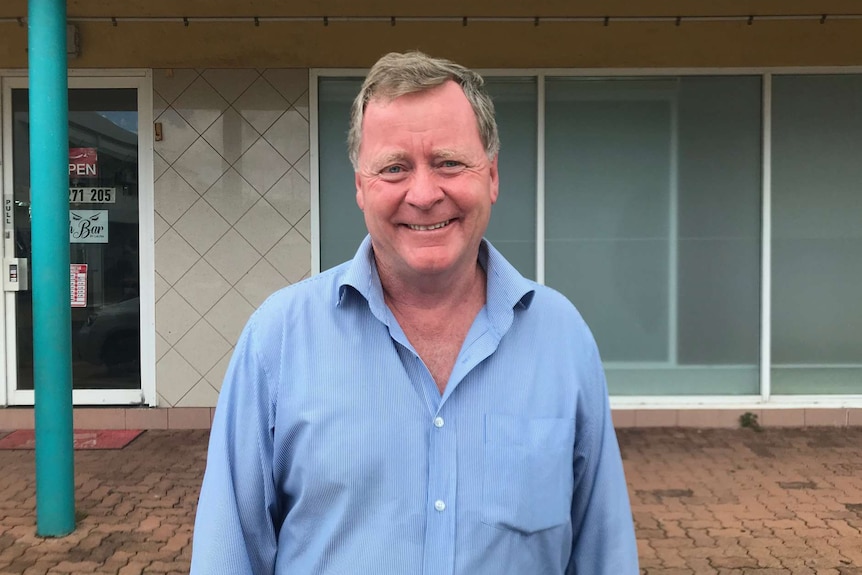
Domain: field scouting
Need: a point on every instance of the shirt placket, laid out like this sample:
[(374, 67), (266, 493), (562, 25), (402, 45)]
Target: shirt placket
[(441, 499)]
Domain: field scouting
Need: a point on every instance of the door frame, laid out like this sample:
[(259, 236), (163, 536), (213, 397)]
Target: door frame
[(141, 80)]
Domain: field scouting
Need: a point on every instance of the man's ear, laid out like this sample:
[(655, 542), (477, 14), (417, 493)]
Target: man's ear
[(360, 199), (495, 181)]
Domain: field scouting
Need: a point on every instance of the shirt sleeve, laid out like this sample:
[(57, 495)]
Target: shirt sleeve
[(236, 523), (602, 528)]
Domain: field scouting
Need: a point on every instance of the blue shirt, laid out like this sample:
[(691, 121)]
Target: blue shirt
[(332, 451)]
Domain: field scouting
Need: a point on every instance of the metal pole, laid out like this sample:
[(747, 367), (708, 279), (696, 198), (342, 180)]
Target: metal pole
[(49, 197)]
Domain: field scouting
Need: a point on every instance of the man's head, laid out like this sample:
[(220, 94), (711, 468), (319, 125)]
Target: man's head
[(398, 74), (426, 168)]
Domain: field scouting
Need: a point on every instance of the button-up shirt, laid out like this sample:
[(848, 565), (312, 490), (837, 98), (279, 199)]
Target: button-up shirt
[(333, 452)]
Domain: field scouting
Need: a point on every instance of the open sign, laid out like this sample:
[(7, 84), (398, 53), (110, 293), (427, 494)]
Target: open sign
[(83, 163)]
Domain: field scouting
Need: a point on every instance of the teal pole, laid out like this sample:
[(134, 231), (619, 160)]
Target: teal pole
[(52, 316)]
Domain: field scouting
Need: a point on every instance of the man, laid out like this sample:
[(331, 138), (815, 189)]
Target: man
[(421, 409)]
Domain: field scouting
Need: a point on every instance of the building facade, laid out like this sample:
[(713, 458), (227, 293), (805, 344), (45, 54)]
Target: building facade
[(688, 177)]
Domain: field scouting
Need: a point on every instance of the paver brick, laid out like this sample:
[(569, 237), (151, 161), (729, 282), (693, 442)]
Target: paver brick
[(734, 502)]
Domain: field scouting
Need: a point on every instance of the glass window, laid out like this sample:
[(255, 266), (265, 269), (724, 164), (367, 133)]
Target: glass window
[(653, 226), (103, 237), (816, 235), (513, 221)]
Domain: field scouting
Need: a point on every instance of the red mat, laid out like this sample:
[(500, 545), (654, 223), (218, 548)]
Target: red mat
[(81, 438)]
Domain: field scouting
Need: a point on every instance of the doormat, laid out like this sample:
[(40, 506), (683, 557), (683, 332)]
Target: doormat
[(81, 438)]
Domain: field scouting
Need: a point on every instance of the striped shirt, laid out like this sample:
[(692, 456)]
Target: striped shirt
[(332, 451)]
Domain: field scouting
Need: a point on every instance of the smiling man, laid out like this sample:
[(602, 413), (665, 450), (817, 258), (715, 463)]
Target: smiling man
[(423, 408)]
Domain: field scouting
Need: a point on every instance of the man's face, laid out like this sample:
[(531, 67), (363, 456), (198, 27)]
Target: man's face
[(425, 183)]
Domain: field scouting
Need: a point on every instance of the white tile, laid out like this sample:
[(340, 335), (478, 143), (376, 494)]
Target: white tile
[(201, 395), (304, 226), (231, 196), (177, 136), (291, 196), (301, 106), (202, 346), (201, 166), (162, 347), (260, 282), (160, 226), (174, 317), (262, 226), (290, 82), (170, 82), (289, 136), (174, 256), (159, 166), (303, 166), (291, 256), (200, 105), (159, 105), (232, 256), (173, 196), (261, 105), (201, 226), (174, 377), (162, 286), (261, 166), (160, 399), (231, 135), (202, 286), (215, 376), (230, 315), (230, 83)]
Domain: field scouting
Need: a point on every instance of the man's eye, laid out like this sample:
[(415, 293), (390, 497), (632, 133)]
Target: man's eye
[(392, 170), (450, 164)]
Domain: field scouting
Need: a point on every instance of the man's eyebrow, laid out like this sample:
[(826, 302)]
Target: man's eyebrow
[(388, 158)]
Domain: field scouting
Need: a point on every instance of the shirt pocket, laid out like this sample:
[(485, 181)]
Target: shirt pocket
[(528, 474)]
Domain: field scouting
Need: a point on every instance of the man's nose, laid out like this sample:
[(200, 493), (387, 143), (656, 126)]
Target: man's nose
[(424, 190)]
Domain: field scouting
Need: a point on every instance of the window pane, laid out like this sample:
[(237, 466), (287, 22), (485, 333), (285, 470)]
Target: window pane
[(816, 235), (513, 221), (103, 237), (653, 223)]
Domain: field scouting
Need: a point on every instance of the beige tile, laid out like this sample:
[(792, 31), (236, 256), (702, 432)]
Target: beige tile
[(623, 418), (656, 418), (175, 377), (783, 418), (825, 417), (146, 418), (99, 418), (17, 418), (189, 418), (718, 418)]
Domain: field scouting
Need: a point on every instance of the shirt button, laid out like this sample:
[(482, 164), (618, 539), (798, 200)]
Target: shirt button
[(439, 505), (438, 421)]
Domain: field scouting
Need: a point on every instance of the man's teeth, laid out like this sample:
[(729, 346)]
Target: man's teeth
[(427, 228)]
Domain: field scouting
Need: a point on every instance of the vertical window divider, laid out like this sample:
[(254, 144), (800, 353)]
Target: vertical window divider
[(540, 178), (673, 233), (314, 160), (766, 247)]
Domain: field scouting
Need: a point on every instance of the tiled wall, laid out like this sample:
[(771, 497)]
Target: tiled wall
[(232, 220)]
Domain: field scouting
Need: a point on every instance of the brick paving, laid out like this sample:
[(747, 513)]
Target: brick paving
[(705, 502)]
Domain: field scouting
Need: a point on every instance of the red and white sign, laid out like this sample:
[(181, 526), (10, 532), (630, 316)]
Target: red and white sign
[(83, 163), (78, 281)]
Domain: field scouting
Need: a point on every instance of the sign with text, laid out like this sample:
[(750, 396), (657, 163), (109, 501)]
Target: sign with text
[(88, 226), (92, 195), (83, 163), (78, 281)]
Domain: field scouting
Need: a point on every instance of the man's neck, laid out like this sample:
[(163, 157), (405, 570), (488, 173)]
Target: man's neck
[(437, 293)]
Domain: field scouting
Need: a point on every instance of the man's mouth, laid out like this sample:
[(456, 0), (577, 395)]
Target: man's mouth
[(429, 228)]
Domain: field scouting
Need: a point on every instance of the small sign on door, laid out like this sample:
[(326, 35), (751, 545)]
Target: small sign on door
[(78, 281), (88, 226)]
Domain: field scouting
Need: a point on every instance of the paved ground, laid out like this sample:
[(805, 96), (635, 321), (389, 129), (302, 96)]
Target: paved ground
[(715, 501)]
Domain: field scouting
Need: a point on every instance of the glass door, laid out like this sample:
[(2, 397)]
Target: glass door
[(104, 243)]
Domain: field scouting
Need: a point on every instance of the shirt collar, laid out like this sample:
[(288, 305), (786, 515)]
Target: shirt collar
[(507, 288)]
